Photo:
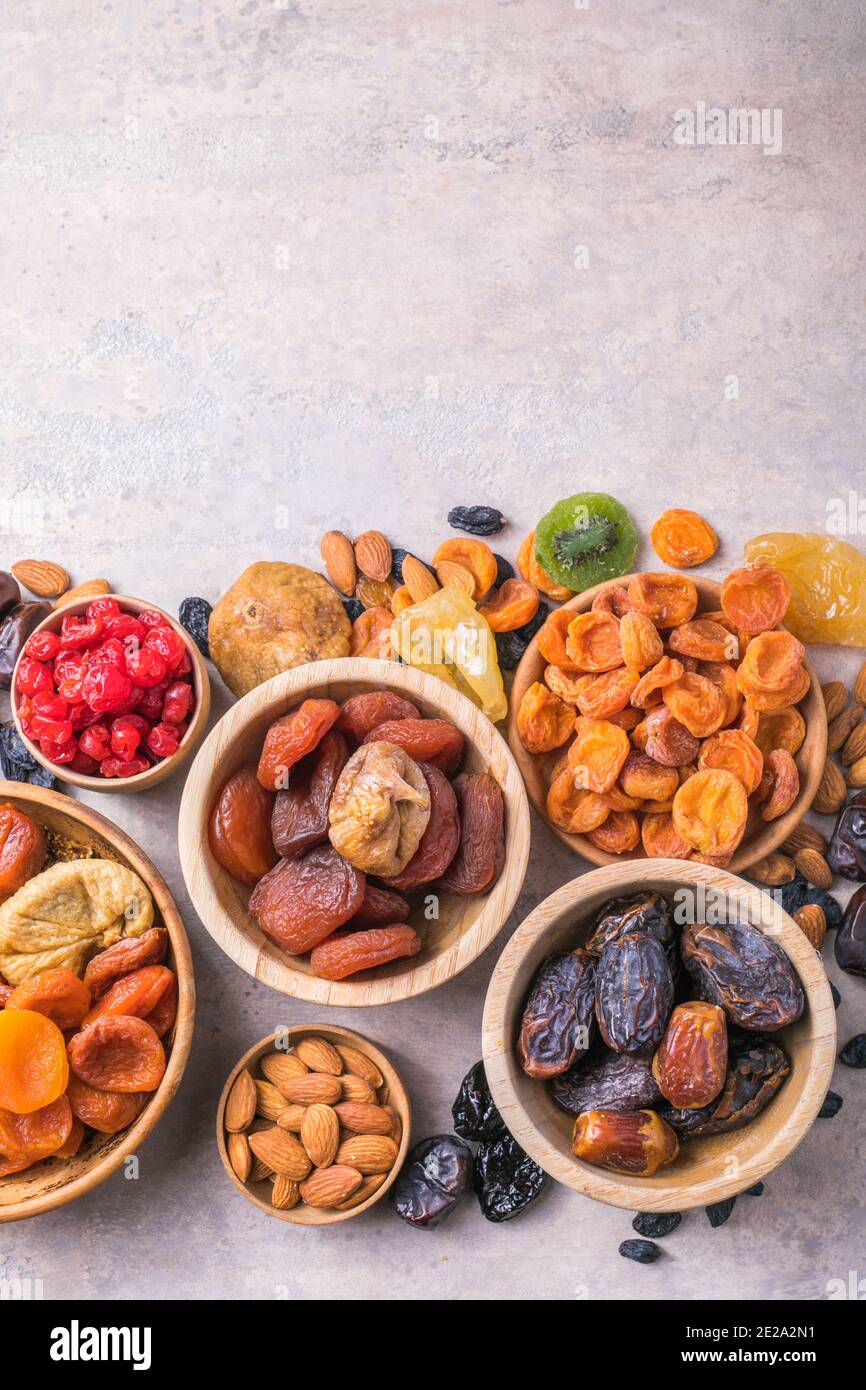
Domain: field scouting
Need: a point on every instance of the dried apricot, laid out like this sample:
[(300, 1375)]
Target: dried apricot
[(683, 539), (302, 900), (572, 808), (785, 728), (136, 994), (785, 786), (725, 677), (371, 634), (627, 718), (618, 834), (478, 862), (661, 839), (292, 737), (597, 754), (642, 777), (772, 661), (640, 641), (667, 740), (669, 599), (339, 956), (593, 642), (378, 906), (606, 695), (300, 815), (130, 954), (74, 1139), (544, 721), (736, 752), (108, 1112), (766, 701), (22, 849), (239, 828), (710, 811), (118, 1053), (514, 604), (665, 672), (531, 570), (749, 719), (36, 1135), (433, 741), (552, 637), (362, 713), (613, 599), (755, 597), (704, 640), (475, 556), (440, 840), (401, 598), (58, 994), (618, 800), (33, 1065), (697, 703), (566, 684)]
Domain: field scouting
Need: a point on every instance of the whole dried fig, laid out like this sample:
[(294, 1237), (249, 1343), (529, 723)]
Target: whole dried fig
[(380, 809)]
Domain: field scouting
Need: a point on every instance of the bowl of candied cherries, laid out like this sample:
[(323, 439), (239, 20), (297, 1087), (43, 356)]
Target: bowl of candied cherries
[(110, 694)]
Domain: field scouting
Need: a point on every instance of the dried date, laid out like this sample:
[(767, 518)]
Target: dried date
[(649, 913), (634, 993), (474, 1110), (606, 1080), (691, 1060), (851, 940), (638, 1142), (757, 1068), (435, 1178), (506, 1179), (847, 852), (557, 1021), (745, 972)]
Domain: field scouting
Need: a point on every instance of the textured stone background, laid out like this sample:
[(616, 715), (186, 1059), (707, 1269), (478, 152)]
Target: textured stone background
[(270, 270)]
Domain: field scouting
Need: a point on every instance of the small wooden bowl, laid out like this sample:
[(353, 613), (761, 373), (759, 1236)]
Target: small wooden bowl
[(761, 837), (466, 925), (706, 1170), (158, 773), (398, 1096), (58, 1181)]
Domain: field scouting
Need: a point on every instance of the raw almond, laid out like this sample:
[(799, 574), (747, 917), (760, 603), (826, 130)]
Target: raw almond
[(831, 790), (860, 685), (855, 745), (373, 555), (367, 1188), (281, 1152), (286, 1193), (328, 1187), (452, 575), (319, 1055), (773, 871), (91, 588), (369, 1153), (857, 773), (835, 698), (359, 1064), (240, 1158), (841, 727), (338, 558), (291, 1117), (316, 1088), (812, 922), (359, 1118), (270, 1103), (260, 1171), (804, 836), (356, 1088), (42, 577), (814, 867), (241, 1104), (418, 579), (281, 1066), (320, 1134), (396, 1130)]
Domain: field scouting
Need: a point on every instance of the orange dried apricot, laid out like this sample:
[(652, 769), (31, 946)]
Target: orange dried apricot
[(593, 642), (239, 827), (784, 787), (697, 703), (665, 672), (434, 741), (750, 717), (161, 1018), (574, 809), (735, 751), (36, 1135), (765, 701), (552, 637), (704, 640), (58, 994), (401, 598), (475, 556), (683, 539), (565, 684), (618, 834), (669, 599), (108, 1112), (710, 811), (627, 719), (644, 778), (667, 740), (606, 695), (785, 728), (725, 677), (612, 599), (371, 634), (292, 737), (755, 597), (772, 661), (534, 574), (618, 800), (661, 839), (136, 994), (118, 1053), (513, 604), (597, 754), (640, 641), (22, 849), (74, 1140), (339, 955), (544, 721), (33, 1065), (129, 954)]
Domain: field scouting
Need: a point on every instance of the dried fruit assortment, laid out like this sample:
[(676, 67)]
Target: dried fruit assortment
[(665, 1068), (350, 808)]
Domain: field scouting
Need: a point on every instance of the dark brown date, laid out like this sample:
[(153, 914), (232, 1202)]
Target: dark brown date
[(16, 627), (757, 1068), (649, 913), (639, 1142), (558, 1017), (692, 1057), (851, 938), (10, 593), (847, 852), (634, 993), (300, 816), (436, 1176), (606, 1080), (745, 972)]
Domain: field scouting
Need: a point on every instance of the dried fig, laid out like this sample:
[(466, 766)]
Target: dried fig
[(380, 809)]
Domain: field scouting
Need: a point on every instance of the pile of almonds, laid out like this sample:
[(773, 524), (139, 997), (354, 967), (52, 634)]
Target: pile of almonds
[(316, 1124)]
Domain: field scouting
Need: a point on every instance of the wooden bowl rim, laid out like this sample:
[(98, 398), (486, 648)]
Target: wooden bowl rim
[(750, 850), (184, 1026), (160, 771), (615, 1189), (280, 690), (398, 1096)]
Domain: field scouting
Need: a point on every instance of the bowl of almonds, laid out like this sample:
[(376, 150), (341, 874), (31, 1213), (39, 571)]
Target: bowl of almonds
[(313, 1124)]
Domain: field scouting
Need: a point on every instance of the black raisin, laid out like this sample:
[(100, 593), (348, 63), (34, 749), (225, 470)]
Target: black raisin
[(510, 646), (853, 1054), (504, 569), (645, 1252), (194, 614), (506, 1178), (354, 608), (837, 998), (656, 1223), (756, 1190), (478, 521), (398, 555), (832, 1105), (17, 763), (799, 892), (475, 1114), (719, 1212)]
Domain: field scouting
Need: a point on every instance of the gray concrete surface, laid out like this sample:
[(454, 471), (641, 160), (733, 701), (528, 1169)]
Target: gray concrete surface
[(271, 269)]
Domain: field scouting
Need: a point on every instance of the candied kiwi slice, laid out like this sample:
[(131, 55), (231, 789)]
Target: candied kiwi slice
[(584, 540)]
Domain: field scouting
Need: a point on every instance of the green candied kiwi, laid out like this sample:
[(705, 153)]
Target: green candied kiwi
[(584, 540)]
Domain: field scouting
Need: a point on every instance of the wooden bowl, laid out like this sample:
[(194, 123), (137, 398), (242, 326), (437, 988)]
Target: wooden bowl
[(158, 773), (706, 1170), (259, 1193), (761, 837), (55, 1182), (466, 925)]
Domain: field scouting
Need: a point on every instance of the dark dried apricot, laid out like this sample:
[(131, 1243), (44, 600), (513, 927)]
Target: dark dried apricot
[(125, 956), (433, 741), (303, 900), (479, 859), (300, 815), (440, 840), (239, 829), (118, 1053), (292, 737), (22, 849), (36, 1135), (378, 906), (58, 994), (342, 955), (106, 1111), (136, 994), (362, 713)]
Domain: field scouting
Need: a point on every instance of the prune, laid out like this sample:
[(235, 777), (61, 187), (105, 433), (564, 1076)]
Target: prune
[(17, 763), (479, 860), (851, 940), (341, 955), (360, 714), (15, 628), (504, 569), (656, 1224), (436, 1176), (506, 1179), (303, 900), (853, 1054), (354, 608), (10, 593), (644, 1252), (719, 1212), (756, 1190), (648, 912), (22, 849), (833, 1103), (638, 1142), (239, 828), (634, 993), (379, 906), (440, 840), (510, 646), (474, 1110), (557, 1021), (745, 972), (300, 815), (847, 853), (606, 1080), (194, 615), (478, 521), (757, 1069)]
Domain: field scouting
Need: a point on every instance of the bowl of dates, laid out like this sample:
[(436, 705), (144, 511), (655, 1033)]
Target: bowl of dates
[(659, 1034), (354, 832), (110, 694), (668, 716)]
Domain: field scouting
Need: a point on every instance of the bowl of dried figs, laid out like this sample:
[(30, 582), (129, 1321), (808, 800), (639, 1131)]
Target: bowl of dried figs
[(313, 1124), (354, 832), (659, 1035), (667, 716)]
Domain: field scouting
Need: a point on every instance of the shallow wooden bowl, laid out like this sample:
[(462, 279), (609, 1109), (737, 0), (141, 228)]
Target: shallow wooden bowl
[(706, 1170), (158, 773), (259, 1193), (761, 838), (57, 1181), (466, 925)]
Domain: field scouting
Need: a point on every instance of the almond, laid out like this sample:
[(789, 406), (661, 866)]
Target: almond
[(418, 579), (319, 1055), (259, 1171), (373, 555), (857, 773), (320, 1134), (92, 588), (328, 1187), (291, 1117), (356, 1088), (773, 871), (338, 558), (855, 745), (814, 867), (240, 1158), (812, 922), (359, 1064), (452, 575), (835, 698), (860, 685), (281, 1066), (841, 727), (831, 791), (804, 836), (359, 1118), (270, 1103), (241, 1103), (316, 1088), (367, 1188), (42, 577), (286, 1193), (281, 1152), (369, 1153), (396, 1130)]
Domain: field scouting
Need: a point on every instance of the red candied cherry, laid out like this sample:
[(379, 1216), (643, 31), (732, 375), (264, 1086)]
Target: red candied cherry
[(42, 646), (147, 666), (52, 730), (124, 626), (164, 739), (151, 618), (111, 652), (51, 706), (82, 763), (105, 688), (59, 752), (116, 767), (95, 742), (168, 643), (125, 738), (184, 666), (82, 716), (33, 676), (102, 610), (178, 702), (77, 634), (150, 702)]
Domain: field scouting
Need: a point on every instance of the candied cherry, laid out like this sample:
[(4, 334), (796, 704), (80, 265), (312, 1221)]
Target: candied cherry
[(125, 626), (103, 610), (54, 730), (89, 767), (164, 739), (184, 666), (59, 752), (49, 705), (111, 652), (178, 701), (168, 643), (152, 618), (33, 676), (150, 702), (147, 666), (105, 688), (116, 767), (82, 716), (125, 738), (77, 634), (42, 646), (95, 742)]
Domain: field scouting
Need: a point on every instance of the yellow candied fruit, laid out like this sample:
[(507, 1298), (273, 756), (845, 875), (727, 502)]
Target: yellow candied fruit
[(827, 579), (446, 637)]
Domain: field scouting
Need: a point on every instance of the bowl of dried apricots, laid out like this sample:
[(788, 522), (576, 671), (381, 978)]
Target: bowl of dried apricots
[(97, 999), (354, 832), (666, 716)]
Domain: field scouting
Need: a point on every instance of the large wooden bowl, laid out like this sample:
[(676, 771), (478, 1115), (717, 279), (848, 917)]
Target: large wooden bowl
[(706, 1170), (57, 1181), (761, 838), (466, 925), (142, 781), (259, 1193)]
